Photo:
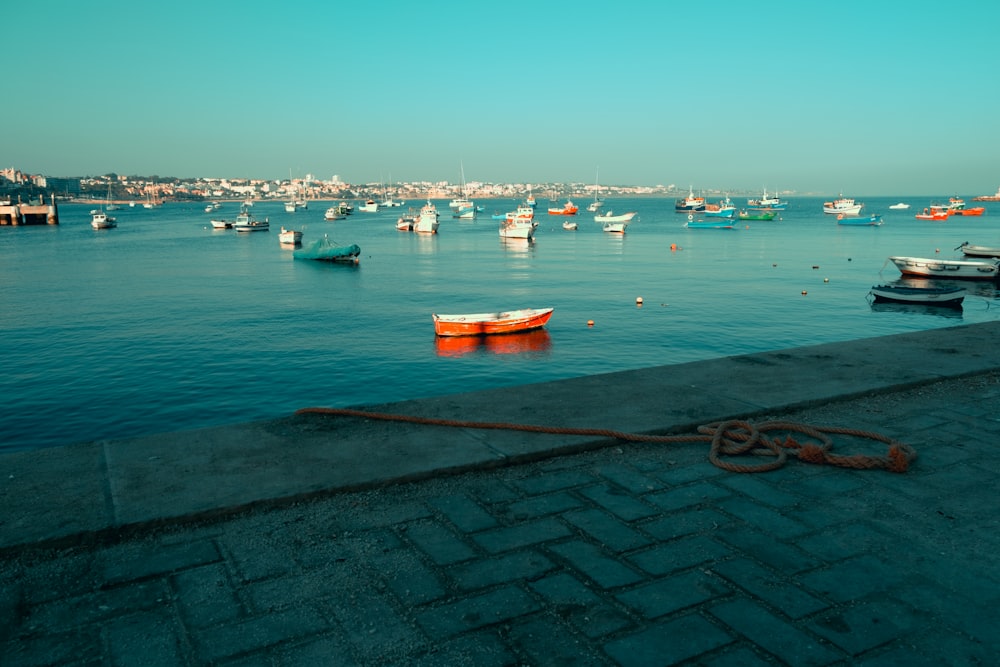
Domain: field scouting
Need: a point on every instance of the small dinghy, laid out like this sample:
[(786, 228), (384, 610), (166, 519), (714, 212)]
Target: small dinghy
[(929, 296)]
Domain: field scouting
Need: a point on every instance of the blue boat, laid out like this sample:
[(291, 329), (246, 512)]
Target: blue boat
[(709, 224), (873, 220)]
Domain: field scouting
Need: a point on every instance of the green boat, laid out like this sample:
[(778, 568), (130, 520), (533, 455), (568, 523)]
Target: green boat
[(325, 250), (757, 215)]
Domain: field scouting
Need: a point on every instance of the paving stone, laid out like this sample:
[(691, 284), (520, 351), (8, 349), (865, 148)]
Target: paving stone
[(504, 569), (672, 594), (474, 612), (774, 635), (256, 633), (680, 554), (465, 513), (442, 545), (669, 642), (607, 530), (771, 587), (623, 505), (521, 535), (601, 567)]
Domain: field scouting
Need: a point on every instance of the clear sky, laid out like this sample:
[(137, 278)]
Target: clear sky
[(824, 97)]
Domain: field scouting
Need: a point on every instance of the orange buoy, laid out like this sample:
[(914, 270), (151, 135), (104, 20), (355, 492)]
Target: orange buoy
[(673, 246), (590, 323)]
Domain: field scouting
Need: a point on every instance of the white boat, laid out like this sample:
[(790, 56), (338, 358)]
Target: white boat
[(289, 236), (518, 227), (460, 203), (570, 225), (290, 206), (101, 220), (209, 208), (842, 205), (333, 213), (765, 201), (466, 213), (407, 221), (937, 296), (221, 223), (596, 205), (109, 205), (967, 269), (428, 220), (971, 250), (245, 222), (611, 217), (369, 206), (901, 206)]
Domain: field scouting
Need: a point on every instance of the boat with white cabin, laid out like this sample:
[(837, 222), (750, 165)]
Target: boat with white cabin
[(842, 206)]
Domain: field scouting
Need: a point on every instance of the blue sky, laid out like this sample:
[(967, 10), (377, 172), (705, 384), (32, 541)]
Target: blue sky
[(813, 97)]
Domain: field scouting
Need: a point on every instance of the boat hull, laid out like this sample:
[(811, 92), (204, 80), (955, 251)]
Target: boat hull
[(960, 269), (484, 324), (866, 220), (932, 296), (978, 250)]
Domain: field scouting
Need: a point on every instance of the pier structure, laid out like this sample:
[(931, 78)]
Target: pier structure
[(38, 213)]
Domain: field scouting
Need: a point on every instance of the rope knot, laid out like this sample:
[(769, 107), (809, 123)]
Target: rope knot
[(811, 453)]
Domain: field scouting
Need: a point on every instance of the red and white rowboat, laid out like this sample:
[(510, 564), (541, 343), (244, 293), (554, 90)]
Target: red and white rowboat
[(478, 324)]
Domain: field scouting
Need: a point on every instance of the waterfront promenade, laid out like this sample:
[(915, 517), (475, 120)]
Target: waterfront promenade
[(321, 540)]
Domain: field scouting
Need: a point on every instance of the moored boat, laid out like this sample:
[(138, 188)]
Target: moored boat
[(844, 205), (975, 210), (689, 203), (369, 206), (937, 296), (967, 269), (569, 208), (611, 217), (995, 197), (757, 215), (709, 224), (334, 213), (873, 220), (970, 250), (246, 222), (289, 236), (901, 206), (724, 209), (954, 204), (932, 215), (101, 220), (325, 250), (428, 220), (570, 225), (767, 202), (479, 324)]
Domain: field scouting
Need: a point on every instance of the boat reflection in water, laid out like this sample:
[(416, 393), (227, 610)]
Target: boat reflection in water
[(954, 313), (535, 341)]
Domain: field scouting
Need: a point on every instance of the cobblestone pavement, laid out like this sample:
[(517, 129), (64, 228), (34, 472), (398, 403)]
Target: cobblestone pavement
[(631, 555)]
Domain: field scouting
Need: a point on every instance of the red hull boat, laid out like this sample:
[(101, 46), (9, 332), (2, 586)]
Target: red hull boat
[(480, 324)]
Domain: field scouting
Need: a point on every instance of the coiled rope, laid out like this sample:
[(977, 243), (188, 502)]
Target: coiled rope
[(729, 439)]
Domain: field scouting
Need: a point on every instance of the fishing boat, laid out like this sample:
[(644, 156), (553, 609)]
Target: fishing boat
[(334, 213), (757, 215), (689, 203), (901, 206), (873, 220), (290, 206), (246, 222), (101, 220), (970, 250), (517, 227), (530, 201), (325, 250), (464, 213), (428, 220), (221, 223), (570, 225), (407, 221), (966, 269), (932, 215), (480, 324), (844, 205), (975, 210), (724, 209), (954, 204), (936, 296), (768, 202), (370, 206), (289, 236), (569, 208)]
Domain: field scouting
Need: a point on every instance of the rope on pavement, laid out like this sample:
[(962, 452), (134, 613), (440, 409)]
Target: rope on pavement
[(728, 440)]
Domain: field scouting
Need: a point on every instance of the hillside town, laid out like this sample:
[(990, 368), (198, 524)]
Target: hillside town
[(16, 185)]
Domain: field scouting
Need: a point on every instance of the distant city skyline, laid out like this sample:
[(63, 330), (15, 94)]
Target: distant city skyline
[(811, 98)]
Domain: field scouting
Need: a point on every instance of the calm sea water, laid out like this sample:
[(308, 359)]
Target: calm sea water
[(164, 324)]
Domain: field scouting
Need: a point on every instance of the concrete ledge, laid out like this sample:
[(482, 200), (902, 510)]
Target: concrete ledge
[(95, 491)]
